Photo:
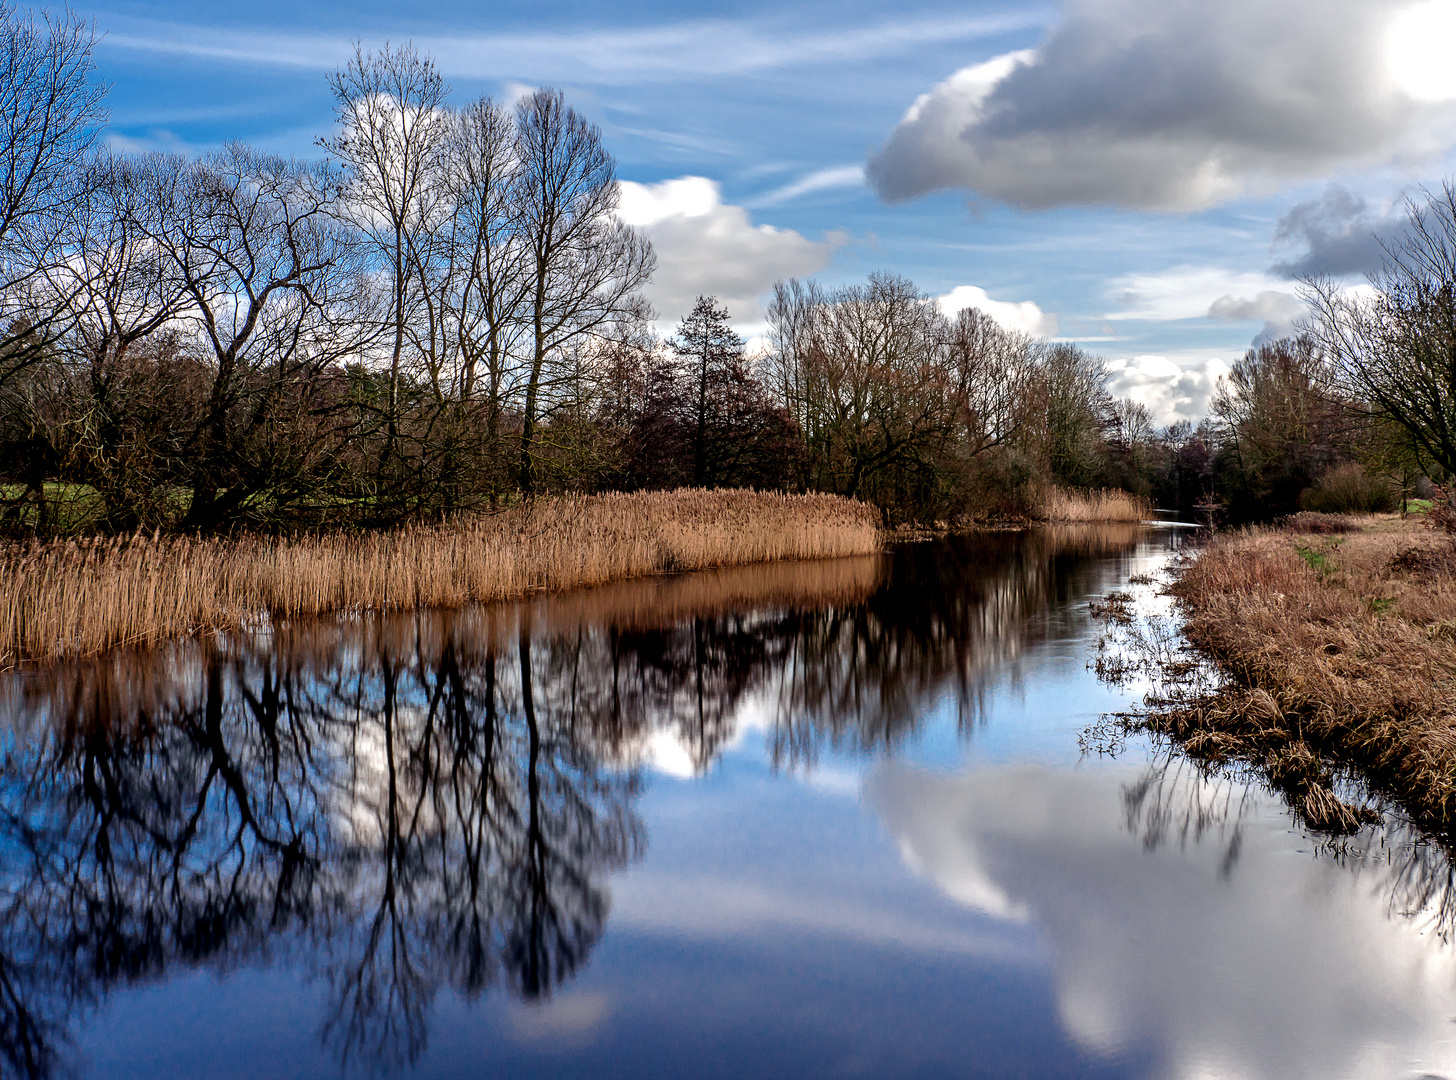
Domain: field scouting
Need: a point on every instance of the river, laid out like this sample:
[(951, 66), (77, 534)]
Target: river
[(803, 820)]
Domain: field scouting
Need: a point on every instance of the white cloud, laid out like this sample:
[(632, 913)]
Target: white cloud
[(1183, 292), (1210, 956), (155, 141), (841, 176), (1025, 316), (1203, 292), (512, 92), (706, 247), (1278, 311), (1181, 104), (1173, 388)]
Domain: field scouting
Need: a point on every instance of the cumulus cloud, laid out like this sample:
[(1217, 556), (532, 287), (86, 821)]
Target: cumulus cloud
[(1336, 234), (1181, 104), (706, 247), (1173, 388), (1025, 316), (1182, 292)]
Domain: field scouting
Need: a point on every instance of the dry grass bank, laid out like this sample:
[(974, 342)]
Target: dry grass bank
[(75, 598), (1342, 651), (1064, 505)]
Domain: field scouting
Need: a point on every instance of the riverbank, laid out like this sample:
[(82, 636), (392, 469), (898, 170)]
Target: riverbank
[(1338, 641), (78, 597)]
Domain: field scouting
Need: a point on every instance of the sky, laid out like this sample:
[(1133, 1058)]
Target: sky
[(1147, 178)]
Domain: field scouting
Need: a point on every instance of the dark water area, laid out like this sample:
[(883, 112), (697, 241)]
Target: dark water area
[(814, 820)]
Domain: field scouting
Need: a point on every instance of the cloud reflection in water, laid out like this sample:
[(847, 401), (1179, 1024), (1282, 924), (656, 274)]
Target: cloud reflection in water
[(1215, 941)]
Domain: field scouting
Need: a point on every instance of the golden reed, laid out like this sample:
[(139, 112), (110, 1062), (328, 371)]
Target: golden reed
[(78, 597), (1064, 505)]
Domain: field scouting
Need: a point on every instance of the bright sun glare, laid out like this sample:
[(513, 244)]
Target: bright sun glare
[(1419, 49)]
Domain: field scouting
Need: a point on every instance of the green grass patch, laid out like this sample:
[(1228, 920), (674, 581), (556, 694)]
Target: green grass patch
[(1318, 561)]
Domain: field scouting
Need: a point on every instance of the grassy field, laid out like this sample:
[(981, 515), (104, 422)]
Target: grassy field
[(1339, 640), (81, 596)]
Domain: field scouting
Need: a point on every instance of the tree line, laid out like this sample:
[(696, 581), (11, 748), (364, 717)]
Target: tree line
[(444, 312)]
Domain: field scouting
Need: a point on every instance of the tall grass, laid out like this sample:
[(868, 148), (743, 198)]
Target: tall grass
[(1059, 504), (79, 597), (1337, 645)]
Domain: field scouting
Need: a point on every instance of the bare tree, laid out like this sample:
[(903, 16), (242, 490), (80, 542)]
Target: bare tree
[(1283, 423), (865, 368), (485, 272), (394, 129), (1072, 413), (585, 266), (992, 369), (1394, 350), (277, 296), (49, 111), (109, 284)]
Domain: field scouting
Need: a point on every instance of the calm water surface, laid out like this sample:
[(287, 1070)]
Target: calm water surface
[(819, 820)]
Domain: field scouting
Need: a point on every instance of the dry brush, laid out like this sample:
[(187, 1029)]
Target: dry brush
[(1340, 653)]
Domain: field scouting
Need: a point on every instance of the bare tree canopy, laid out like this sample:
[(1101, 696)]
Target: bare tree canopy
[(1394, 349), (585, 267), (49, 112)]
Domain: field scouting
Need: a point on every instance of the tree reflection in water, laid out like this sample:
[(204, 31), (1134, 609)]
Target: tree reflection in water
[(1192, 794), (1178, 801), (404, 803), (401, 811)]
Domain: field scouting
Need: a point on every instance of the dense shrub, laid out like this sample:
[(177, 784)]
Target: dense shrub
[(1349, 489)]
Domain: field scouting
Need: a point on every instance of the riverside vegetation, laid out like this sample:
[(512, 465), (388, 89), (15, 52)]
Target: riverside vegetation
[(1335, 644), (70, 597), (83, 596)]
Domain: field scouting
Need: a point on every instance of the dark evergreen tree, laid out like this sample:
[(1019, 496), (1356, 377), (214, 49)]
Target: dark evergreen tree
[(714, 366)]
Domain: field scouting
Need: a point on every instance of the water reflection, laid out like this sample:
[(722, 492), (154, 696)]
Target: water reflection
[(1212, 946), (399, 810), (398, 805), (410, 812)]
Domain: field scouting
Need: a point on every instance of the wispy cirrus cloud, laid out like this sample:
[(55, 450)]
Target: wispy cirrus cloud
[(838, 176), (702, 49)]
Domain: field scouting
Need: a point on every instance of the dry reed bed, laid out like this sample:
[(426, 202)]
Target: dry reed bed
[(1091, 507), (76, 597), (123, 684), (1340, 647)]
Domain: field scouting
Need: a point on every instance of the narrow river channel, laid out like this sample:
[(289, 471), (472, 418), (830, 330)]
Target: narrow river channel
[(816, 820)]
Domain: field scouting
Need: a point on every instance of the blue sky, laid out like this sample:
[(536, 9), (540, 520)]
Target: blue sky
[(1131, 174)]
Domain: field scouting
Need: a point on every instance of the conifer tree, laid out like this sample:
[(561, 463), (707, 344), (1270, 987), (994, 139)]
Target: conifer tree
[(712, 356)]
